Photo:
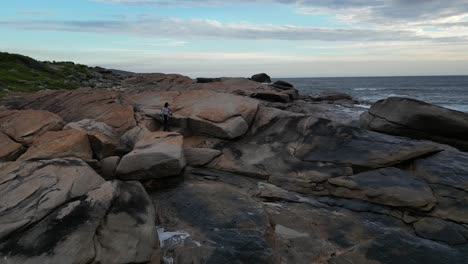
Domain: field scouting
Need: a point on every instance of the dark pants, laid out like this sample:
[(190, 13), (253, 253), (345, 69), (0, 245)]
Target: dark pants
[(166, 122)]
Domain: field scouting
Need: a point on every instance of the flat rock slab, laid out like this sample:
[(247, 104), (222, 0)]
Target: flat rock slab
[(307, 234), (388, 186), (113, 223), (327, 141), (222, 224), (9, 149), (440, 230), (413, 118), (448, 168), (60, 144), (157, 155), (25, 126), (31, 190)]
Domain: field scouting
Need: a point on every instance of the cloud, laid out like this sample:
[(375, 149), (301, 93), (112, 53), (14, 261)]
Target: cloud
[(36, 12), (362, 11), (212, 29)]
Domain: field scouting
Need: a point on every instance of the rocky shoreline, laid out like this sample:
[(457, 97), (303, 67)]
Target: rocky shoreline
[(252, 172)]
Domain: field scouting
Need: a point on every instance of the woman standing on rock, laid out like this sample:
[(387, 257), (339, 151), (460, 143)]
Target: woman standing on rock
[(165, 113)]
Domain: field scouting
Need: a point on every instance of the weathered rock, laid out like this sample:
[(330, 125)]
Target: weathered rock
[(261, 78), (31, 190), (9, 149), (73, 106), (388, 186), (298, 153), (332, 96), (416, 119), (102, 137), (204, 111), (272, 96), (109, 166), (309, 234), (211, 222), (157, 155), (449, 168), (60, 144), (200, 156), (113, 224), (132, 136), (25, 126), (440, 230), (92, 126), (282, 85), (454, 209), (208, 80)]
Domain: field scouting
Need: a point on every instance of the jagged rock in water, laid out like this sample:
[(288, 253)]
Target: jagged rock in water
[(60, 144), (416, 119), (157, 155), (25, 126), (9, 149)]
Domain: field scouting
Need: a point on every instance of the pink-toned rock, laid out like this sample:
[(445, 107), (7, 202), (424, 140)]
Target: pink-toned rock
[(60, 144), (25, 126), (9, 149), (202, 111), (157, 155), (101, 105)]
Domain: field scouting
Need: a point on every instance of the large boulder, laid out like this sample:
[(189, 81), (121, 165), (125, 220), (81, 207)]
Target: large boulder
[(102, 137), (9, 149), (31, 190), (202, 111), (25, 126), (73, 106), (157, 155), (60, 144), (416, 119), (111, 224), (388, 186), (261, 78)]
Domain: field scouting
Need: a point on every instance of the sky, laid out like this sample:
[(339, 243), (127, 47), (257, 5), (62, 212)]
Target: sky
[(213, 38)]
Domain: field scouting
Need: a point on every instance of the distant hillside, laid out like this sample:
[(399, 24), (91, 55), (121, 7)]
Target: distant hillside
[(19, 73)]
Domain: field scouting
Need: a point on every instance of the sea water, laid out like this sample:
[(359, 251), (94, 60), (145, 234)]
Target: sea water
[(446, 91)]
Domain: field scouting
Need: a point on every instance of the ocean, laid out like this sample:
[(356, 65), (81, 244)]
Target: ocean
[(447, 91)]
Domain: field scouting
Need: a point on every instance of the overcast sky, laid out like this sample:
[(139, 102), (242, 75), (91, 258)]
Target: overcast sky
[(284, 38)]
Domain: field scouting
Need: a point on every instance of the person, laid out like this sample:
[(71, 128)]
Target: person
[(165, 114)]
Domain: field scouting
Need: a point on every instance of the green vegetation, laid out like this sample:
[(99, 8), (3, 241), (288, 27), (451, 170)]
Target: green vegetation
[(19, 73)]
